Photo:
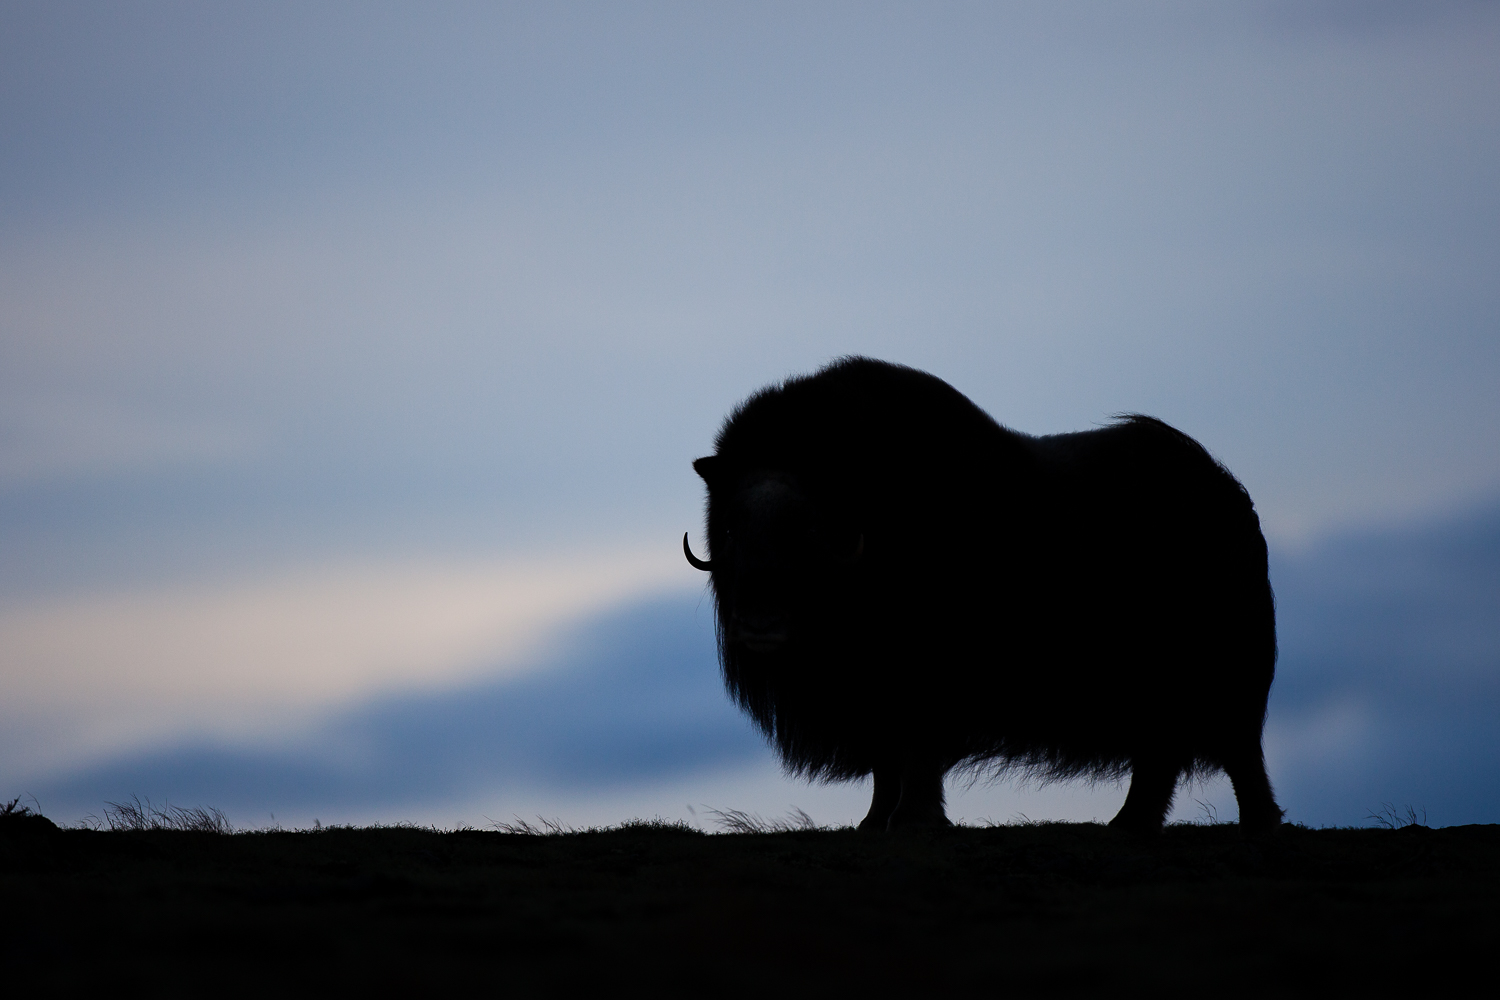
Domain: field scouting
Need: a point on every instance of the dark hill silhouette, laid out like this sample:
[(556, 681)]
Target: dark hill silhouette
[(1055, 909)]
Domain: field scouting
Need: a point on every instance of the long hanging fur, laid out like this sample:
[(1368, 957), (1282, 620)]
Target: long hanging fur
[(900, 578)]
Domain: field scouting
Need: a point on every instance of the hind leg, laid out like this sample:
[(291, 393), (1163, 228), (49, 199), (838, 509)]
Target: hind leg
[(921, 802), (1153, 783), (1252, 789)]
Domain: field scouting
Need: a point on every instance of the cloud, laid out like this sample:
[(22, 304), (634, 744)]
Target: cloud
[(1388, 690), (632, 698), (82, 678), (1388, 687)]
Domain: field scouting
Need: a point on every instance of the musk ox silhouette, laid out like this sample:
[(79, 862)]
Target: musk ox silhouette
[(904, 586)]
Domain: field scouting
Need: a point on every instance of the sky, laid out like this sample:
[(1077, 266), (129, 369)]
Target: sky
[(353, 358)]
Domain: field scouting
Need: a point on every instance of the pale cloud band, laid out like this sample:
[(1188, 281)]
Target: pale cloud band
[(85, 677)]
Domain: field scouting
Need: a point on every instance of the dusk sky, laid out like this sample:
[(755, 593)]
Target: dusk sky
[(353, 358)]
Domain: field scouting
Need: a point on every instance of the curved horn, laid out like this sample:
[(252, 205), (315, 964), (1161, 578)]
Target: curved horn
[(697, 563)]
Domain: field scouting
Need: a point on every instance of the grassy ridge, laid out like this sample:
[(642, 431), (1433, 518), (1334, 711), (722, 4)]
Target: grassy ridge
[(1043, 908)]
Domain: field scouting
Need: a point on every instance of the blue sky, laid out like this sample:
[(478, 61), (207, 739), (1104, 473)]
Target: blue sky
[(352, 358)]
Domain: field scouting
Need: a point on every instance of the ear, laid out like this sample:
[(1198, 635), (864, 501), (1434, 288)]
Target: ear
[(706, 467)]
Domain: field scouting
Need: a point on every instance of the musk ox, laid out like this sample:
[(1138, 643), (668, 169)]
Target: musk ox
[(904, 586)]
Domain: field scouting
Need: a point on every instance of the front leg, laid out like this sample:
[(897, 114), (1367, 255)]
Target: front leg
[(1153, 784), (887, 796)]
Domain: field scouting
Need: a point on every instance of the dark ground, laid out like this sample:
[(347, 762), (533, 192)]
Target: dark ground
[(1056, 908)]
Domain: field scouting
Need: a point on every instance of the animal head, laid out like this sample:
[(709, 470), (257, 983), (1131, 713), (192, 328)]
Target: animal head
[(778, 551)]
